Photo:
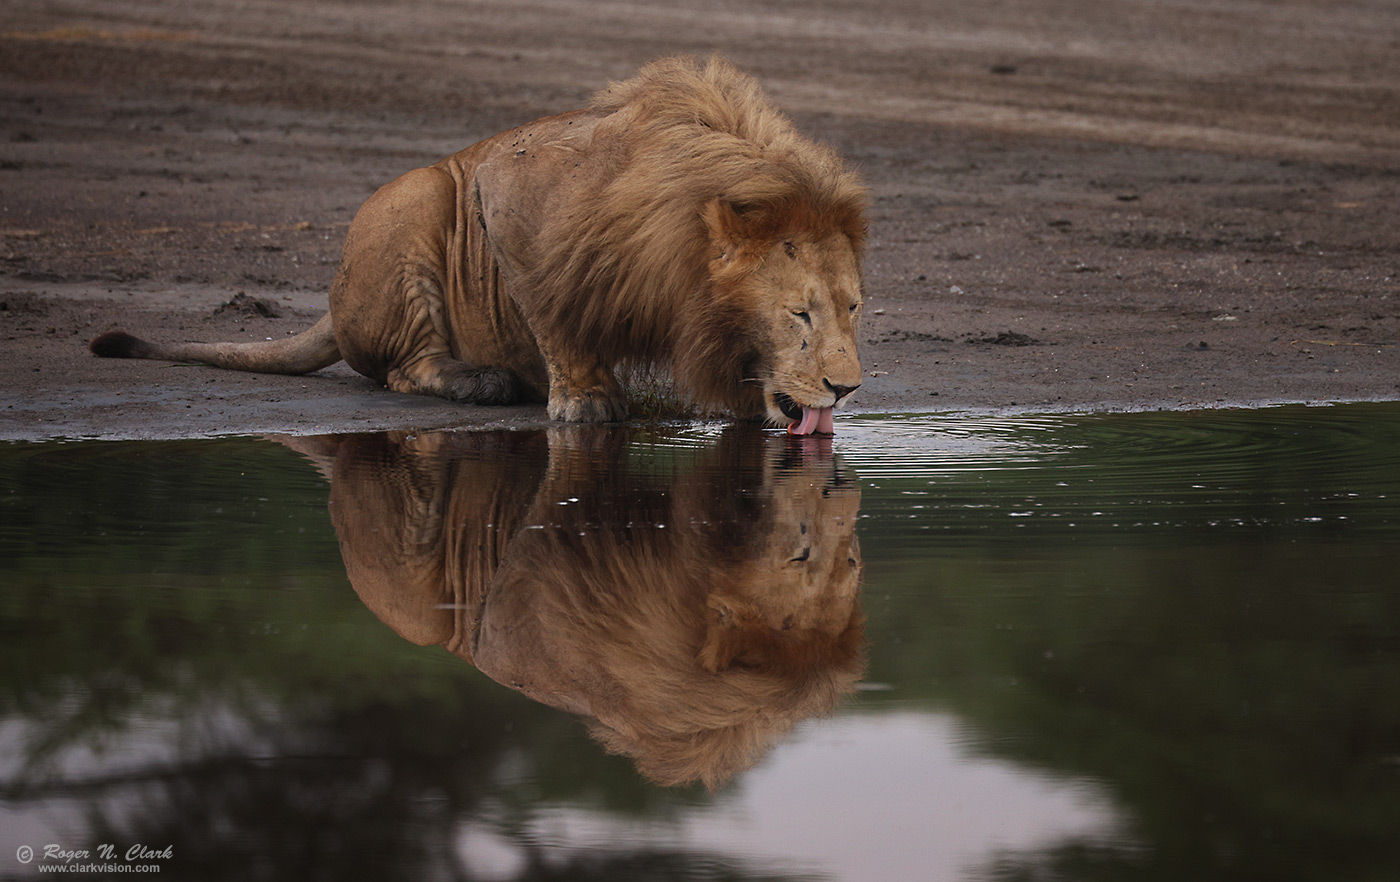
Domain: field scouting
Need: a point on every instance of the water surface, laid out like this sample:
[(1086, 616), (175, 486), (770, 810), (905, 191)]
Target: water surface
[(937, 647)]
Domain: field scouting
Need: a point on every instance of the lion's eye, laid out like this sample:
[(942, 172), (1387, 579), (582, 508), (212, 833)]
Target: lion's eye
[(854, 307), (803, 314)]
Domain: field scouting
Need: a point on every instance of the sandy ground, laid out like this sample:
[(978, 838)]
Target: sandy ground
[(1077, 204)]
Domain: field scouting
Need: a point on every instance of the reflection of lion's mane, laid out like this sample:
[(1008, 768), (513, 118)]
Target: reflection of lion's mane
[(693, 656)]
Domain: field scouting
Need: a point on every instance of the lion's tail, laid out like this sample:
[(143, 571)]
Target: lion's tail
[(310, 350)]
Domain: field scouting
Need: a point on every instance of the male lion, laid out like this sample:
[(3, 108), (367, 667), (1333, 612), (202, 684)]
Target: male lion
[(679, 221)]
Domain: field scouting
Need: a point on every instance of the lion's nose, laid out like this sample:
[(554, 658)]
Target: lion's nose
[(840, 391)]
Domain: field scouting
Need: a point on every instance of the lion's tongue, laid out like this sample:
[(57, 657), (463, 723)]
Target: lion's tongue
[(814, 419)]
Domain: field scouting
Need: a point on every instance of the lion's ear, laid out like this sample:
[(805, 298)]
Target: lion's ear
[(721, 629), (728, 231)]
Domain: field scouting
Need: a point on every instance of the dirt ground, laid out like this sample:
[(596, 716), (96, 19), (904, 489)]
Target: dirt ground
[(1077, 204)]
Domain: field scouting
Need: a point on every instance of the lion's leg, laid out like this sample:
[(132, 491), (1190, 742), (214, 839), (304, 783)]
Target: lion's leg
[(581, 390), (418, 358), (390, 298)]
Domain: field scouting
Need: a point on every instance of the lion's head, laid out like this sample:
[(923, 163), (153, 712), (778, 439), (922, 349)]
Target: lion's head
[(799, 287)]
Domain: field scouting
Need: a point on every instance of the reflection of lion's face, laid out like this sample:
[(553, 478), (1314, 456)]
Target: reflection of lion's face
[(811, 291), (798, 595)]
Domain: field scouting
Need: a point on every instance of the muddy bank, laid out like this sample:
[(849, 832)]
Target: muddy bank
[(1076, 205)]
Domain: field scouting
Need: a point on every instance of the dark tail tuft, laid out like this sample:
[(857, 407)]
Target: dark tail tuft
[(116, 344)]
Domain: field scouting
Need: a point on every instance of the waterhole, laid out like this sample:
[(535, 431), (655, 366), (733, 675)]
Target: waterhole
[(1124, 646)]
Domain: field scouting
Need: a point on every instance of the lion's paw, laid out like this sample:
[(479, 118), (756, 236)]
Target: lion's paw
[(482, 386), (594, 405)]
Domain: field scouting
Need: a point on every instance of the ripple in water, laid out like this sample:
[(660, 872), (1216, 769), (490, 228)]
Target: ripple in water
[(1210, 469)]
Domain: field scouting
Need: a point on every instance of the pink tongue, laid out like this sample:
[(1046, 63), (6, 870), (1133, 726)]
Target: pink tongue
[(814, 420)]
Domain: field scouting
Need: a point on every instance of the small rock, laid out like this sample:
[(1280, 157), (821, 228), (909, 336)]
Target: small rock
[(242, 304)]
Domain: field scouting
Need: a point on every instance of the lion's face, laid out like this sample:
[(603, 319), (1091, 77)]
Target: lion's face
[(811, 291), (799, 292)]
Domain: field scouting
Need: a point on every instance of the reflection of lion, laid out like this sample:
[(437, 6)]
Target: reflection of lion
[(678, 221), (694, 614)]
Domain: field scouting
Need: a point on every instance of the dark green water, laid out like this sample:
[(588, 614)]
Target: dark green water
[(1135, 646)]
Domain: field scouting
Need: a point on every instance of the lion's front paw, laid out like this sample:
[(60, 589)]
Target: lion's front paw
[(593, 405)]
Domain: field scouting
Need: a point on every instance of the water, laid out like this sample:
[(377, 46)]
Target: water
[(1131, 646)]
